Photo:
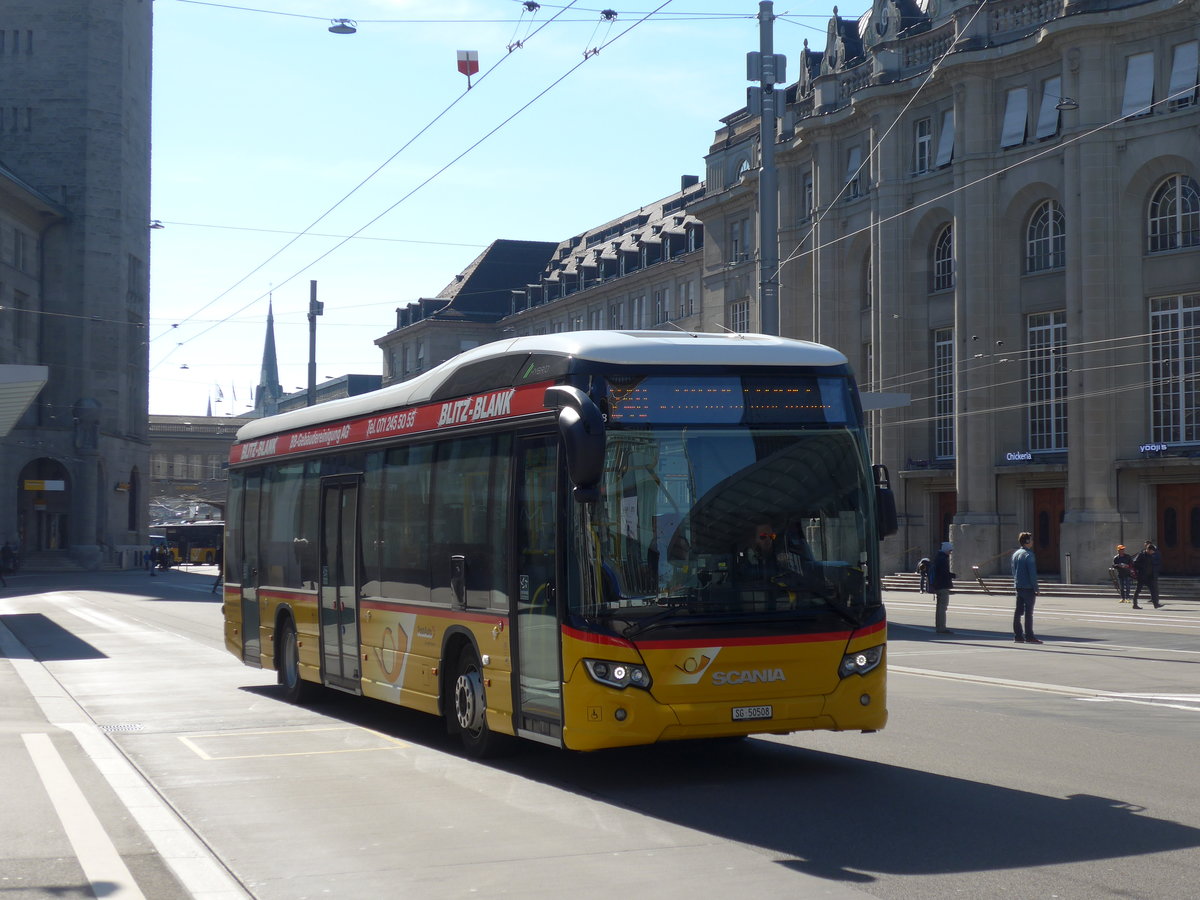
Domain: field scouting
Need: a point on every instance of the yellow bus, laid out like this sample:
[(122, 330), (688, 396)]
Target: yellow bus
[(586, 539)]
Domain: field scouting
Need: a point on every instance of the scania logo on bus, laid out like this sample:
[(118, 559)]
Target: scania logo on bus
[(748, 676), (476, 409)]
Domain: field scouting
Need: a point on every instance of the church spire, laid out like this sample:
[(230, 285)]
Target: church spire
[(266, 398)]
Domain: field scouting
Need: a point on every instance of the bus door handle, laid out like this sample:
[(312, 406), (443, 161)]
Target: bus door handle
[(458, 579)]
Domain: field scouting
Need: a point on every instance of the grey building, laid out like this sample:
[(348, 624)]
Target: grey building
[(996, 209), (74, 245), (640, 270), (189, 463)]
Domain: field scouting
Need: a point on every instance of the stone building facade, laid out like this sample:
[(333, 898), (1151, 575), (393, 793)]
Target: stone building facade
[(641, 270), (995, 209), (74, 282)]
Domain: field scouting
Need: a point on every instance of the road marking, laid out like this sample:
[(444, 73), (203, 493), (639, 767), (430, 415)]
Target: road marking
[(192, 862), (1061, 689), (291, 733), (102, 864)]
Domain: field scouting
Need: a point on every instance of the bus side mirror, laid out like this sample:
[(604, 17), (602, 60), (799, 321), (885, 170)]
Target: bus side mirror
[(582, 428), (886, 520)]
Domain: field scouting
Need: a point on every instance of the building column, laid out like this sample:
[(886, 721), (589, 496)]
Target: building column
[(1091, 523), (976, 529)]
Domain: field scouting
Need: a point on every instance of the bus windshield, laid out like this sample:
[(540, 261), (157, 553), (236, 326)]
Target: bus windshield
[(734, 521)]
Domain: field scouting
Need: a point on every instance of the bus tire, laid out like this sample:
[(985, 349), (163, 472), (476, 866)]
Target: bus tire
[(467, 710), (295, 688)]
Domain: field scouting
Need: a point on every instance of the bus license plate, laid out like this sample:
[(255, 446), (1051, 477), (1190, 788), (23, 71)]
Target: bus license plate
[(743, 713)]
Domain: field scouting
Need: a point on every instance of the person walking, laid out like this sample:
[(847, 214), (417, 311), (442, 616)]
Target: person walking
[(1146, 565), (1123, 565), (941, 580), (1025, 583)]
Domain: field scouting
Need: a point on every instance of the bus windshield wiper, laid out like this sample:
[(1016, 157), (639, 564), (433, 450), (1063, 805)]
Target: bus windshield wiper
[(675, 604), (832, 598)]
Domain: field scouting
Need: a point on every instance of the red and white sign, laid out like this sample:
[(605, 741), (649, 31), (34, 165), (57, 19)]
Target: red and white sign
[(505, 403), (468, 62)]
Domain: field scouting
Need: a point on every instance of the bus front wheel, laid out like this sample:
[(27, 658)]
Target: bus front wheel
[(295, 689), (468, 710)]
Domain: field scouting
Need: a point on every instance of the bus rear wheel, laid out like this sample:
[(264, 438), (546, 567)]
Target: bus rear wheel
[(467, 711), (295, 689)]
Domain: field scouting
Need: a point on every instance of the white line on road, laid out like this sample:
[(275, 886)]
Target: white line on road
[(193, 863), (102, 864), (1062, 689)]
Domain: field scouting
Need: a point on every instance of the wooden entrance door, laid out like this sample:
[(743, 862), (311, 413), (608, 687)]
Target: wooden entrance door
[(1178, 535), (1048, 507), (947, 506)]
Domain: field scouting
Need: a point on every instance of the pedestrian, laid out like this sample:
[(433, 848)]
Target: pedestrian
[(1025, 583), (1123, 565), (941, 580), (1146, 566), (148, 560)]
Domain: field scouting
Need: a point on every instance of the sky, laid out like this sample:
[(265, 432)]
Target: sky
[(264, 121)]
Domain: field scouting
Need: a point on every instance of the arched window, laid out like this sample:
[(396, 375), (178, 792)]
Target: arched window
[(1174, 216), (1046, 238), (943, 260)]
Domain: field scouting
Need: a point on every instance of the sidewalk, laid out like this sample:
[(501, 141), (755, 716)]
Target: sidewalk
[(78, 820)]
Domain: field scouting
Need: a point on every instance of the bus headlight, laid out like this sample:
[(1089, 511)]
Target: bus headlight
[(617, 674), (860, 663)]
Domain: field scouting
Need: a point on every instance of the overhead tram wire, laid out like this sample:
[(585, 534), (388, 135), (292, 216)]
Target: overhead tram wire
[(348, 195), (434, 175), (671, 17)]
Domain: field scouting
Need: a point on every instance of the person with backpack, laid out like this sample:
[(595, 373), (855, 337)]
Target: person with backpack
[(941, 580)]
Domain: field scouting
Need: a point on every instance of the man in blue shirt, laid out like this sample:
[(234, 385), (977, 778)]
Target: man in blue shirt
[(1024, 570)]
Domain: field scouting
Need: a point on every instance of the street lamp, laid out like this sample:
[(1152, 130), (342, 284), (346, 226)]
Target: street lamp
[(342, 26)]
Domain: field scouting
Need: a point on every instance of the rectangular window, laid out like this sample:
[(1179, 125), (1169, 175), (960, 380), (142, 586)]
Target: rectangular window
[(1139, 86), (396, 524), (922, 145), (946, 139), (1016, 112), (637, 311), (662, 305), (595, 319), (1182, 90), (1048, 115), (853, 173), (808, 197), (687, 299), (739, 240), (1175, 369), (1047, 336), (943, 393), (20, 250), (616, 315), (739, 316)]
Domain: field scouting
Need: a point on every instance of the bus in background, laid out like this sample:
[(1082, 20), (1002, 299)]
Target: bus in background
[(586, 539), (197, 543)]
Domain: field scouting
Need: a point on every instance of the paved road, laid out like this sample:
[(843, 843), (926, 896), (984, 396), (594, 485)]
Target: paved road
[(1062, 770)]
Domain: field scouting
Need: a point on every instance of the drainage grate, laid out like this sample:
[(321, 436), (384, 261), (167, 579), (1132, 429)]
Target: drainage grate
[(124, 726)]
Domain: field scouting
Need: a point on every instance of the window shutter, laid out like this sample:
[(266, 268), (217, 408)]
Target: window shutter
[(946, 140), (1139, 85), (1016, 111), (1047, 124)]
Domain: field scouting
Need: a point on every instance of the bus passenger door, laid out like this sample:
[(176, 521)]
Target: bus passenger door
[(339, 582), (538, 644), (251, 639)]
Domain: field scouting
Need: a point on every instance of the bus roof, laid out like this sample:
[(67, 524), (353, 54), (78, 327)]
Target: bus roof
[(613, 347)]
